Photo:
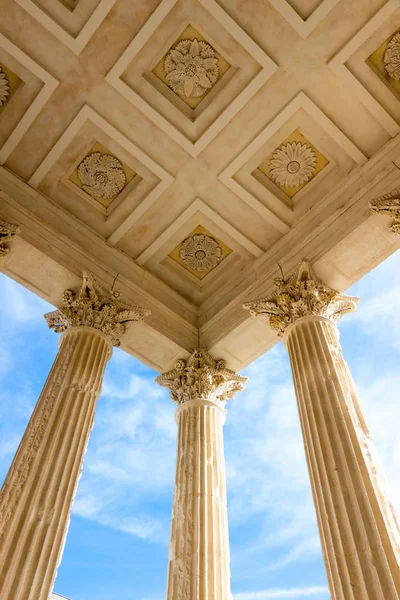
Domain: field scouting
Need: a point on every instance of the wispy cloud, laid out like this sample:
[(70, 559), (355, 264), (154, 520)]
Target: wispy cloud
[(275, 593)]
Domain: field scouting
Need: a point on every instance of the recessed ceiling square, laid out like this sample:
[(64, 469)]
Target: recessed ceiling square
[(385, 61), (200, 252), (101, 175), (191, 67), (70, 4), (292, 165), (9, 84), (305, 8)]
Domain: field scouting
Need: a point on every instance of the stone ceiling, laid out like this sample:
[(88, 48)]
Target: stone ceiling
[(185, 151)]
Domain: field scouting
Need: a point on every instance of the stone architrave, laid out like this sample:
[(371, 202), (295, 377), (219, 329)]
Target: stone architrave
[(389, 205), (38, 492), (358, 525), (7, 232), (199, 547)]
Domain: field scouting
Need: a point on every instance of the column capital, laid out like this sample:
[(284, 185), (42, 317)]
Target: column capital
[(301, 295), (7, 232), (94, 307), (389, 204), (200, 377)]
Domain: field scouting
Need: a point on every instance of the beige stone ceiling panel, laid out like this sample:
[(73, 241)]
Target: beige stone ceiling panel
[(28, 88), (71, 22), (304, 15), (162, 257), (181, 118), (351, 64), (300, 119), (250, 67), (58, 176)]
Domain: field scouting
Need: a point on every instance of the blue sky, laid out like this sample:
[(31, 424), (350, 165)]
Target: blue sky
[(117, 545)]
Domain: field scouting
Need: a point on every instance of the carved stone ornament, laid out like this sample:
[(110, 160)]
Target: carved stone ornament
[(200, 377), (191, 68), (301, 295), (392, 57), (4, 87), (200, 252), (389, 204), (7, 232), (293, 164), (93, 307), (102, 175)]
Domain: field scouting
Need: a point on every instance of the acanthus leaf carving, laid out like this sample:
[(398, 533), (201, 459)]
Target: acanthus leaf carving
[(389, 204), (7, 232), (200, 377), (300, 295), (93, 307)]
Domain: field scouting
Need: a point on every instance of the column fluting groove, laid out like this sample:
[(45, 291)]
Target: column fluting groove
[(199, 547), (37, 494), (358, 525)]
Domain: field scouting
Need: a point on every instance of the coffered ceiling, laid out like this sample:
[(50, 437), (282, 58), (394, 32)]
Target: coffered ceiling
[(185, 151)]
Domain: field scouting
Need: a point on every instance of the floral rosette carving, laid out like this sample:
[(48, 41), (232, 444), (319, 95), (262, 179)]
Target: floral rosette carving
[(200, 252), (191, 68), (392, 57), (93, 307), (301, 295), (4, 87), (389, 204), (102, 175), (200, 377), (293, 164)]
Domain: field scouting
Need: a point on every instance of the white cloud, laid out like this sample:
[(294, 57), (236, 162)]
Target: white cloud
[(275, 593), (130, 466), (267, 476), (18, 306)]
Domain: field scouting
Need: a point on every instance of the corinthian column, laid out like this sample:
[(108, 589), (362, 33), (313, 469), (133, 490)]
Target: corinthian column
[(37, 495), (358, 525), (199, 548)]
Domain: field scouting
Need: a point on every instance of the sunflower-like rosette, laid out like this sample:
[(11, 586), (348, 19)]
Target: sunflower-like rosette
[(293, 164), (4, 88)]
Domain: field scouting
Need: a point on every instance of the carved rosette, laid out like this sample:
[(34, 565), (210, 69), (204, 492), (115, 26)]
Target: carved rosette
[(191, 68), (4, 88), (200, 377), (293, 164), (389, 204), (7, 232), (200, 252), (391, 58), (93, 307), (102, 175), (300, 296)]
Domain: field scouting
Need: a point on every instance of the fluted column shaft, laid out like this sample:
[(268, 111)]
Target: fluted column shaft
[(198, 566), (199, 548), (37, 494), (357, 523)]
